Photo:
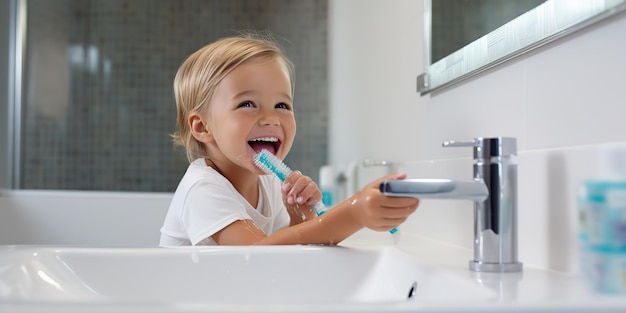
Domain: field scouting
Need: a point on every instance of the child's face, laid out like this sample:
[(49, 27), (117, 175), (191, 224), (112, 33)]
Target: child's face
[(252, 109)]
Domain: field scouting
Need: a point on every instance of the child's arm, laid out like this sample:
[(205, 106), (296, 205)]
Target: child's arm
[(367, 208)]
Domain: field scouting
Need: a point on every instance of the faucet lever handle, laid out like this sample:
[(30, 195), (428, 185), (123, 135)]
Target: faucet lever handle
[(488, 147), (452, 143)]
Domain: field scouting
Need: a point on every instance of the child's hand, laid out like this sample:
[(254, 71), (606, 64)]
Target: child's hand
[(379, 212), (300, 192)]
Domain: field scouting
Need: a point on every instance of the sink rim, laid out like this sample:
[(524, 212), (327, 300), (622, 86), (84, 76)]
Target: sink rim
[(84, 263)]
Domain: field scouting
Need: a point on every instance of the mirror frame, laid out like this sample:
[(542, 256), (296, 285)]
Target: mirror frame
[(545, 23)]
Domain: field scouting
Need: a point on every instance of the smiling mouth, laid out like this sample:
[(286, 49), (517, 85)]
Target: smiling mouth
[(270, 144)]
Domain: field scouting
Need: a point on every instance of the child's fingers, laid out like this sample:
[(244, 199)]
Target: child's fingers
[(293, 181), (398, 213), (301, 189), (306, 191), (399, 202), (384, 224), (311, 194), (376, 183), (394, 202), (392, 211)]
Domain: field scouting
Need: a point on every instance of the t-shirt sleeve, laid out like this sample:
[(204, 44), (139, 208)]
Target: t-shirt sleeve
[(208, 208), (281, 217)]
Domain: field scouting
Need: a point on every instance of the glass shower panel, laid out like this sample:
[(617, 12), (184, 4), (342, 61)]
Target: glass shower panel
[(98, 101)]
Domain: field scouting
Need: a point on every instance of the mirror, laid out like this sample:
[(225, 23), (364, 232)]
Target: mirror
[(463, 38)]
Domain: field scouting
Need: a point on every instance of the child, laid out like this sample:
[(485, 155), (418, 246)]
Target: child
[(235, 97)]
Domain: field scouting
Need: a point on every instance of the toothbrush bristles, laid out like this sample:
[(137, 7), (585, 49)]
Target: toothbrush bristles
[(270, 164)]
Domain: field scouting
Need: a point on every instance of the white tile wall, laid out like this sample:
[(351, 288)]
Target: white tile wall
[(575, 88), (562, 101), (86, 218)]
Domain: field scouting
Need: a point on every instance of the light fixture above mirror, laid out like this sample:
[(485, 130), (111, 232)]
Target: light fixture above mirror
[(527, 24)]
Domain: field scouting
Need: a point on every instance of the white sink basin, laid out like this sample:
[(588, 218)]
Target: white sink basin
[(267, 275)]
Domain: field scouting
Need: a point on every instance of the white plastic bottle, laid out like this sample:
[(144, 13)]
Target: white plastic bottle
[(327, 185), (603, 223)]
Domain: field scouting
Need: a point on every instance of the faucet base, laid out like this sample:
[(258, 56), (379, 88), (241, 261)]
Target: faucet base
[(495, 267)]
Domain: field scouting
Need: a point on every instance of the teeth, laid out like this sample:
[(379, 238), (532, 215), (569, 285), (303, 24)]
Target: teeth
[(269, 139)]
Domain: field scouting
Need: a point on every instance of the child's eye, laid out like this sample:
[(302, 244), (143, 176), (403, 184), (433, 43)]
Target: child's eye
[(246, 104), (283, 106)]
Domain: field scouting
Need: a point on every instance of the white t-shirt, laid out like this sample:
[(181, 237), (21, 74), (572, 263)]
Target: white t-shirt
[(205, 202)]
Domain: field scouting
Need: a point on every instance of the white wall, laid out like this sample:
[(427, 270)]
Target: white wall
[(88, 218), (562, 102)]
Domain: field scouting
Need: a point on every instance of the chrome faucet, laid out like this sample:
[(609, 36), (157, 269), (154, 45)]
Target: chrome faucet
[(494, 193)]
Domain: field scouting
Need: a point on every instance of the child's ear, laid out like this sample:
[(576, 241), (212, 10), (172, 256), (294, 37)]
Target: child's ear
[(199, 129)]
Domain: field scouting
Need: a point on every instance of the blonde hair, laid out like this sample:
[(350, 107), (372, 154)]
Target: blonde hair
[(202, 71)]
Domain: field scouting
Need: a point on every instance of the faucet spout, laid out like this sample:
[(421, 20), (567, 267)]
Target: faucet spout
[(436, 189), (494, 193)]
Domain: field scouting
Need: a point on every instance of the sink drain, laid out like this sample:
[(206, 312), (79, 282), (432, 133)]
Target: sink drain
[(412, 290)]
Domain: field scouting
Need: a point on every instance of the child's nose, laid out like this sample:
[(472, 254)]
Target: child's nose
[(270, 119)]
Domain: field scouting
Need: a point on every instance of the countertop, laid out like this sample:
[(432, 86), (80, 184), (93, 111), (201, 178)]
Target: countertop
[(533, 290)]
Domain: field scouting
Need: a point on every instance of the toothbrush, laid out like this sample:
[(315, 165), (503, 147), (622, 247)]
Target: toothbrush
[(270, 164)]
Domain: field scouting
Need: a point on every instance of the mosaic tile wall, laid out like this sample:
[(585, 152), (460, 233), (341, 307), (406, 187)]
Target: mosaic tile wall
[(99, 105)]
